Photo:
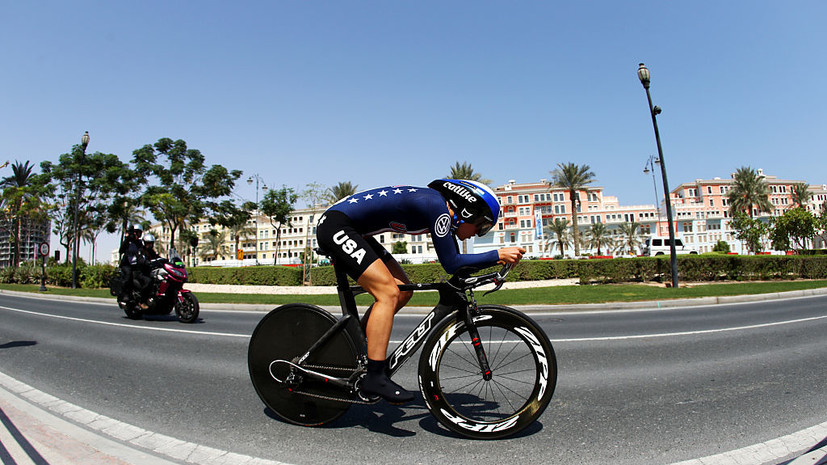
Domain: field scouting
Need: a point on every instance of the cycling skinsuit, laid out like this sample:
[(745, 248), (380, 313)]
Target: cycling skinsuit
[(344, 230)]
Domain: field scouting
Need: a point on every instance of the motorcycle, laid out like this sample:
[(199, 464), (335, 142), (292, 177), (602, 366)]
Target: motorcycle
[(166, 292)]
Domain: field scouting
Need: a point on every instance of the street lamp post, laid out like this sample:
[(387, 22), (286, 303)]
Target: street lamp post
[(644, 76), (258, 180), (84, 141), (649, 167)]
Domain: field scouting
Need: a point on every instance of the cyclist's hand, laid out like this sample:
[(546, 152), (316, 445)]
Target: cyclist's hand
[(510, 255)]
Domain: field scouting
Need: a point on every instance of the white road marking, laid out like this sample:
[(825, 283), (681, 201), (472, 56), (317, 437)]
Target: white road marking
[(123, 325), (563, 340)]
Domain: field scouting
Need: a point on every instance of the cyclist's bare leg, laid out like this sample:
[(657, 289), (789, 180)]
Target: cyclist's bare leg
[(401, 278), (383, 286)]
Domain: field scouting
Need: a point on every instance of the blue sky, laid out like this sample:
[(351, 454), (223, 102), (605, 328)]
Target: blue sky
[(392, 92)]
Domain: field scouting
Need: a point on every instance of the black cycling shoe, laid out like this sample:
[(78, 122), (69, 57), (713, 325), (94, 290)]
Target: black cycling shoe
[(382, 386)]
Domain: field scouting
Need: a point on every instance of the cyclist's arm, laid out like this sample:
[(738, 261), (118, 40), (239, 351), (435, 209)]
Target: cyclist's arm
[(448, 252)]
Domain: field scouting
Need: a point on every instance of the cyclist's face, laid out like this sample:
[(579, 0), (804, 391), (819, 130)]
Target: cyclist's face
[(466, 231)]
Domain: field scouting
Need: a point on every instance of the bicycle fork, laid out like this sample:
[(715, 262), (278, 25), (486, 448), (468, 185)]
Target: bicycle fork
[(470, 312)]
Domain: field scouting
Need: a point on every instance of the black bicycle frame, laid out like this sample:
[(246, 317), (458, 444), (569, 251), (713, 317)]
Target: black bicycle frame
[(450, 300)]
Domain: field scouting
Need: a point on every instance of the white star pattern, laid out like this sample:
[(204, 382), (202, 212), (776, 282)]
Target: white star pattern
[(353, 200), (368, 196), (383, 193), (411, 190), (397, 191)]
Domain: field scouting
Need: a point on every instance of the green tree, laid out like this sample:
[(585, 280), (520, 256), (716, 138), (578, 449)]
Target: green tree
[(573, 178), (465, 171), (22, 204), (750, 231), (630, 239), (793, 229), (721, 247), (187, 191), (801, 194), (187, 244), (749, 192), (599, 236), (340, 191), (560, 229), (98, 186), (278, 206), (400, 247)]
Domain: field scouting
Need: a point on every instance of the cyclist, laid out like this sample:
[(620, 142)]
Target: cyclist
[(448, 209)]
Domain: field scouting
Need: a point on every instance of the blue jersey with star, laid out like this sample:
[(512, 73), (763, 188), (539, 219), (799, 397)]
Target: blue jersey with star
[(411, 210)]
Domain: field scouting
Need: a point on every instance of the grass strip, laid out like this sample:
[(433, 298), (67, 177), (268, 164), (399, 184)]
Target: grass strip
[(592, 294)]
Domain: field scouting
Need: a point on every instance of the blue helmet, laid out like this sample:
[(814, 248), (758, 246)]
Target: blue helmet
[(472, 202)]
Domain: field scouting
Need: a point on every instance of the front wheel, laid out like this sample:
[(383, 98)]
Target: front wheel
[(523, 374), (187, 308)]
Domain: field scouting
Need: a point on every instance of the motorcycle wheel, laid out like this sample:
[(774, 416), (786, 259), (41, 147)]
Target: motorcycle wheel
[(130, 309), (187, 309)]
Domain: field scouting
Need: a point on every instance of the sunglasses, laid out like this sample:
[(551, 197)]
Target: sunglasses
[(483, 227)]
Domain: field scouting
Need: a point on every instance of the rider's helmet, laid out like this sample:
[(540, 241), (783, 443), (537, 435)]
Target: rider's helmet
[(149, 239), (473, 202), (135, 229)]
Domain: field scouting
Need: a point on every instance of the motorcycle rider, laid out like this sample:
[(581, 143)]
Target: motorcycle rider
[(149, 248), (132, 256)]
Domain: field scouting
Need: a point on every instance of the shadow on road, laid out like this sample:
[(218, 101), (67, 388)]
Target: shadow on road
[(13, 344), (384, 418)]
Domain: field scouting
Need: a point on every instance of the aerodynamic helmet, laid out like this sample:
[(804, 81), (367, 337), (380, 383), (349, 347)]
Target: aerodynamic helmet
[(473, 202), (136, 228), (149, 238)]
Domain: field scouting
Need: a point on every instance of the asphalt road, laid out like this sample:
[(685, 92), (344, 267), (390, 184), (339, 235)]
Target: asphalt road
[(644, 386)]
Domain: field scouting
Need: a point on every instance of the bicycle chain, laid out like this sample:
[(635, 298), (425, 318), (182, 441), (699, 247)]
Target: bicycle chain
[(324, 397)]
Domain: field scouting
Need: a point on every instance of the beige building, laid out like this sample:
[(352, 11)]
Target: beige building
[(700, 214)]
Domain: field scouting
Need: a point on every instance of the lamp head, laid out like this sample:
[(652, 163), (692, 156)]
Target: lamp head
[(643, 75)]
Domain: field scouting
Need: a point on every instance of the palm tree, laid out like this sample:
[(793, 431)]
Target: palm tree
[(560, 228), (237, 231), (464, 171), (215, 246), (573, 178), (22, 202), (750, 191), (801, 194), (599, 237), (340, 191), (629, 237)]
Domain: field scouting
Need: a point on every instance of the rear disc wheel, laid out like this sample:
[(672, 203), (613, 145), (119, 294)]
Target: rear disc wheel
[(286, 333)]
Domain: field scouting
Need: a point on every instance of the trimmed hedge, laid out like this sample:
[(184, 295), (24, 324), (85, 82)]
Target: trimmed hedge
[(89, 276), (614, 270), (251, 275), (704, 268)]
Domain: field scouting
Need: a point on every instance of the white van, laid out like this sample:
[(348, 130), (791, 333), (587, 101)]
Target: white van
[(660, 246)]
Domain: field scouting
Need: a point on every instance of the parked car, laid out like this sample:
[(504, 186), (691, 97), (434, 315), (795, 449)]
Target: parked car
[(660, 246)]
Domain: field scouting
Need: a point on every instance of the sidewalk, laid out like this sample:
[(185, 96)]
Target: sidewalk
[(40, 429), (32, 435)]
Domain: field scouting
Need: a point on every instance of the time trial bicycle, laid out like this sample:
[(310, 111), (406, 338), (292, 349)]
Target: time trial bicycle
[(485, 372)]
